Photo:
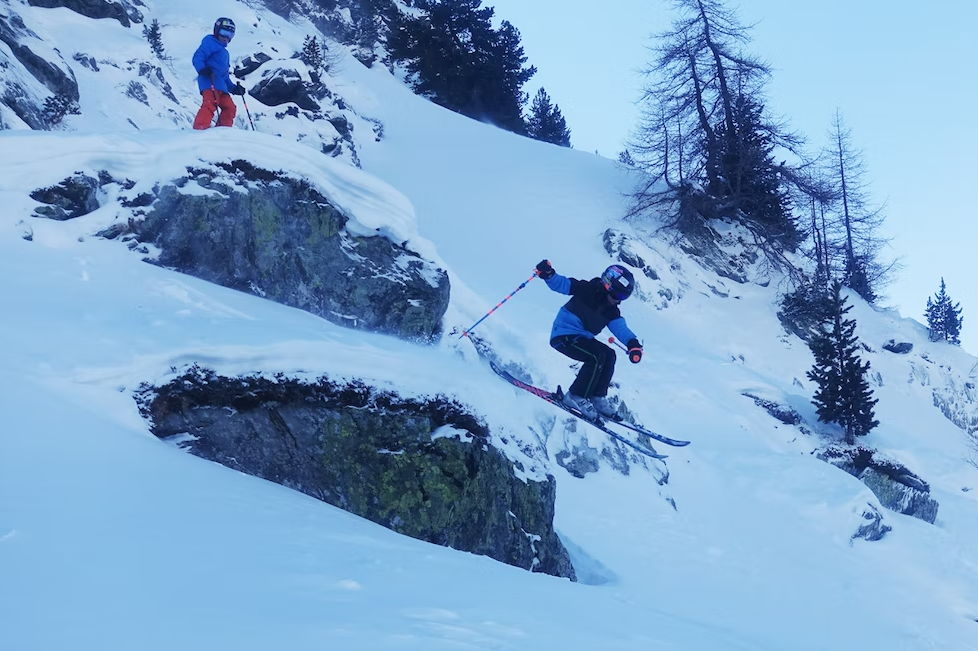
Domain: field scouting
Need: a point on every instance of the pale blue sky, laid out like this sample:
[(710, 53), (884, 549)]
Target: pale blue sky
[(903, 75)]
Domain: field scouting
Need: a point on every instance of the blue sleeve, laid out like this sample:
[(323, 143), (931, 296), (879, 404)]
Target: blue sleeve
[(559, 284), (621, 330), (200, 56)]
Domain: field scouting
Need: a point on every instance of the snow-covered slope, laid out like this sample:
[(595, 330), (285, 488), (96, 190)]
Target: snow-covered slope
[(110, 539)]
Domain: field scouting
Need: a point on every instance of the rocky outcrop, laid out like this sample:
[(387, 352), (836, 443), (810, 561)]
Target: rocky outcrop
[(17, 84), (250, 63), (901, 348), (783, 413), (91, 8), (278, 237), (896, 487), (422, 467), (873, 528), (73, 197), (285, 86)]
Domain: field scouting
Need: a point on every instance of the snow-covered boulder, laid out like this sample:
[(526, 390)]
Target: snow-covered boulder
[(420, 466), (896, 487), (277, 236), (120, 11)]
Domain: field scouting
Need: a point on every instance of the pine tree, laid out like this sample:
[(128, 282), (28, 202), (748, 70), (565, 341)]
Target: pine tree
[(155, 37), (57, 107), (944, 317), (456, 59), (751, 176), (625, 158), (843, 395), (312, 54), (546, 122)]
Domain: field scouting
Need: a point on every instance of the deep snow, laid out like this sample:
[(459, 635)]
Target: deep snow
[(111, 539)]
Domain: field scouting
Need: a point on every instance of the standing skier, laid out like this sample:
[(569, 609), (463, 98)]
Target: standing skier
[(593, 306), (213, 64)]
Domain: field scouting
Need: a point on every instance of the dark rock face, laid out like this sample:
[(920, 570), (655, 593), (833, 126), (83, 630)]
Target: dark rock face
[(896, 487), (283, 87), (73, 197), (59, 80), (783, 413), (616, 244), (89, 8), (901, 348), (873, 529), (277, 237), (372, 453), (250, 64)]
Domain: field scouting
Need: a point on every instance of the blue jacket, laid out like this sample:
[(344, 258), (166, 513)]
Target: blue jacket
[(214, 55), (588, 312)]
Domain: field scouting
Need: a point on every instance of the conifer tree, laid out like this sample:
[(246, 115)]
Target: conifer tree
[(153, 34), (859, 223), (546, 122), (455, 58), (57, 107), (944, 317), (843, 395), (312, 53), (706, 137)]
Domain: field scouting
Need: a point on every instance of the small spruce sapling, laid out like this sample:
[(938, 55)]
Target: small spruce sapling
[(155, 37)]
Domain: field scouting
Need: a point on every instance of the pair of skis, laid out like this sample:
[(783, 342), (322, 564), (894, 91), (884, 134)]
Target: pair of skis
[(556, 400)]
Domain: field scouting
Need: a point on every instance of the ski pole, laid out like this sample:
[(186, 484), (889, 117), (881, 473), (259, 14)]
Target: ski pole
[(612, 340), (248, 112), (465, 333), (217, 113)]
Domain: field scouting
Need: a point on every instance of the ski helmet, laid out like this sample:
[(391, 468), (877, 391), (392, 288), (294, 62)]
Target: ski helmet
[(618, 282), (224, 27)]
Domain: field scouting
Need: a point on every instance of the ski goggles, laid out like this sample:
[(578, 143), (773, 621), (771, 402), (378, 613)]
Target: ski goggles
[(617, 294), (225, 33)]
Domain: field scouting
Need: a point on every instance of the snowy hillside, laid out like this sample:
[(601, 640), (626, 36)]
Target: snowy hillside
[(112, 539)]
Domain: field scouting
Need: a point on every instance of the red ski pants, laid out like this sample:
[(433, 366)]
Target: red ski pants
[(212, 101)]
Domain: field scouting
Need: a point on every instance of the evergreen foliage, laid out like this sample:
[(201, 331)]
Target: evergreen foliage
[(57, 107), (312, 54), (705, 132), (456, 59), (153, 34), (804, 310), (944, 318), (367, 17), (546, 122), (625, 158), (750, 176), (843, 395)]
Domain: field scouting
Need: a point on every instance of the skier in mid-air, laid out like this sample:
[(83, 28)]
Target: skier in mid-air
[(593, 307)]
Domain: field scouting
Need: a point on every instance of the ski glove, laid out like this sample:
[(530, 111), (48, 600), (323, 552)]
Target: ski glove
[(205, 72), (544, 270), (634, 351), (237, 89)]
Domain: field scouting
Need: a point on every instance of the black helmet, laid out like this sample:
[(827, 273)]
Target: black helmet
[(618, 282), (225, 24)]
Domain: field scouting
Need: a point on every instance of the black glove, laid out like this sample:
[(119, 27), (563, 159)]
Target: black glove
[(205, 72), (544, 270), (634, 351), (237, 89)]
